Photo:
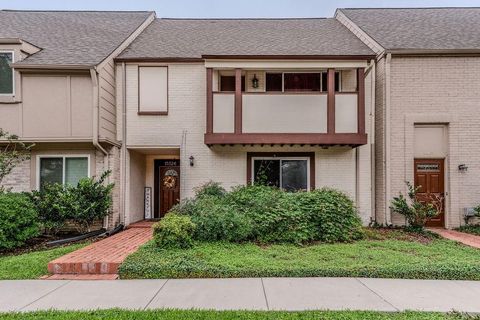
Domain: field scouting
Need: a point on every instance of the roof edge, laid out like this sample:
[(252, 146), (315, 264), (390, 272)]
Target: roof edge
[(433, 51), (293, 57), (21, 66)]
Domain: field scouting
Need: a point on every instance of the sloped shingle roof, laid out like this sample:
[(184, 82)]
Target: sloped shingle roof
[(420, 28), (194, 38), (70, 37)]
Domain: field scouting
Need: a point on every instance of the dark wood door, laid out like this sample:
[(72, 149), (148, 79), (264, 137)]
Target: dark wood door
[(168, 181), (429, 176)]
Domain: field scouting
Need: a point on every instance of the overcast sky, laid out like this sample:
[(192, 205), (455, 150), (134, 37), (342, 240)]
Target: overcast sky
[(228, 8)]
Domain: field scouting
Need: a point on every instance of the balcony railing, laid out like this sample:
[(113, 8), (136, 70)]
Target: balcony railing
[(317, 118)]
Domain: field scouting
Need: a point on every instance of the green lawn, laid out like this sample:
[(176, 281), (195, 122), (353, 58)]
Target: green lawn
[(383, 255), (230, 315), (31, 265), (473, 229)]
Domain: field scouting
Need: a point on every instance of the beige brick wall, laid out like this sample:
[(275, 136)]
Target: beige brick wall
[(438, 90), (19, 178), (184, 128)]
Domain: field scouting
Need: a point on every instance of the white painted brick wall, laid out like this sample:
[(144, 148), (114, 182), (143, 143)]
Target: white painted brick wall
[(444, 90), (335, 167)]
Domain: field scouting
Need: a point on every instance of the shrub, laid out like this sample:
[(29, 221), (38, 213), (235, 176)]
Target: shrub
[(53, 210), (333, 214), (268, 215), (89, 201), (18, 220), (415, 211), (210, 189), (174, 231), (83, 204), (216, 219)]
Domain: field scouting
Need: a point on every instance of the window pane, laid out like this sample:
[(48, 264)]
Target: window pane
[(75, 169), (6, 74), (294, 175), (274, 82), (227, 83), (51, 170), (267, 172), (302, 81)]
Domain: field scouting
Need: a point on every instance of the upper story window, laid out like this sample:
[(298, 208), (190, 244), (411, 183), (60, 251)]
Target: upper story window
[(299, 82), (62, 169), (153, 90), (6, 72)]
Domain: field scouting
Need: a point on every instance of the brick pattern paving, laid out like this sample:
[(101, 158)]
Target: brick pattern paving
[(102, 257), (465, 238)]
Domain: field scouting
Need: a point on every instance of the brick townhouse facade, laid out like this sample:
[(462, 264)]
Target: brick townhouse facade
[(361, 102)]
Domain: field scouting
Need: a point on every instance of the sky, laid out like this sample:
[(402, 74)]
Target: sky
[(228, 8)]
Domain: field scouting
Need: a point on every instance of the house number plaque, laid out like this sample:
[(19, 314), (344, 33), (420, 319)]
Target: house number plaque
[(148, 203)]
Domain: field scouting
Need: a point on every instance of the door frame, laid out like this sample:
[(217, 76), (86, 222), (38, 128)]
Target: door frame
[(443, 162), (157, 164)]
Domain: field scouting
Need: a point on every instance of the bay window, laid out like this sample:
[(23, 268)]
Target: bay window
[(62, 169), (6, 72), (287, 173)]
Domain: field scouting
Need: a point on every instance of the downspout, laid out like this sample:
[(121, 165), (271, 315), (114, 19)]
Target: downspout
[(388, 218), (372, 140), (95, 126), (123, 216)]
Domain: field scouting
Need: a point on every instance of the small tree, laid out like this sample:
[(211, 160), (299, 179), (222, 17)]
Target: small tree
[(416, 212), (13, 153)]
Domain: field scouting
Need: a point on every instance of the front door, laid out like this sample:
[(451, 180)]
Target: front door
[(167, 186), (429, 175)]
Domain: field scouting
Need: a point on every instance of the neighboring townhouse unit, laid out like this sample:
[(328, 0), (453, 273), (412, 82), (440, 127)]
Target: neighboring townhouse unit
[(238, 100), (57, 90), (427, 118)]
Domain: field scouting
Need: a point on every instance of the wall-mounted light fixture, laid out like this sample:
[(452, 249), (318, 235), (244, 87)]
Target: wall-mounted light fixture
[(192, 161), (462, 167), (255, 82)]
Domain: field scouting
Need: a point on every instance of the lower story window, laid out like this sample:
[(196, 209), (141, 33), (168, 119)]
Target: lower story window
[(290, 174), (62, 169)]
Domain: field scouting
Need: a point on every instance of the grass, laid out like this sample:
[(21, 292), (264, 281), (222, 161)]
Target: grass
[(31, 265), (472, 229), (382, 255), (230, 315)]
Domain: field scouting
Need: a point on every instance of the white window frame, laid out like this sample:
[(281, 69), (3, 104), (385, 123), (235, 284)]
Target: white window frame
[(13, 74), (63, 156), (281, 159)]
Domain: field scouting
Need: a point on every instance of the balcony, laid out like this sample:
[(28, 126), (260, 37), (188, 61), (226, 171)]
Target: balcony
[(324, 117)]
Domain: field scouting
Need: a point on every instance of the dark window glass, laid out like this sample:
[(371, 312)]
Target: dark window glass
[(274, 82), (325, 81), (294, 175), (51, 171), (227, 83), (302, 81), (267, 172), (6, 73)]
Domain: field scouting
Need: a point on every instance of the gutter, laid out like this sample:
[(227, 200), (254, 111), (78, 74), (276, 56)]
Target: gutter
[(372, 141), (96, 123), (388, 218)]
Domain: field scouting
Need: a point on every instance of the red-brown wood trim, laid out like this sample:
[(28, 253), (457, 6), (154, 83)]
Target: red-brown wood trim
[(352, 139), (238, 100), (209, 100), (286, 93), (158, 59), (331, 101), (361, 100), (152, 113), (289, 57), (310, 155)]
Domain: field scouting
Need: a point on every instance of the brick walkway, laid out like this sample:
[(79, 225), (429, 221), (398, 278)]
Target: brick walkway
[(101, 259), (465, 238)]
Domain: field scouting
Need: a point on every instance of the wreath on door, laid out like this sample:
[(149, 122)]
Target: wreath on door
[(170, 179)]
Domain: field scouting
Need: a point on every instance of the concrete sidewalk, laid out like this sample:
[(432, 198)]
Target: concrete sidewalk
[(245, 294)]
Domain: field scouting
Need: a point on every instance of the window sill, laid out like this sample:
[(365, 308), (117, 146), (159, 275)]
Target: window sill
[(5, 98), (152, 113)]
